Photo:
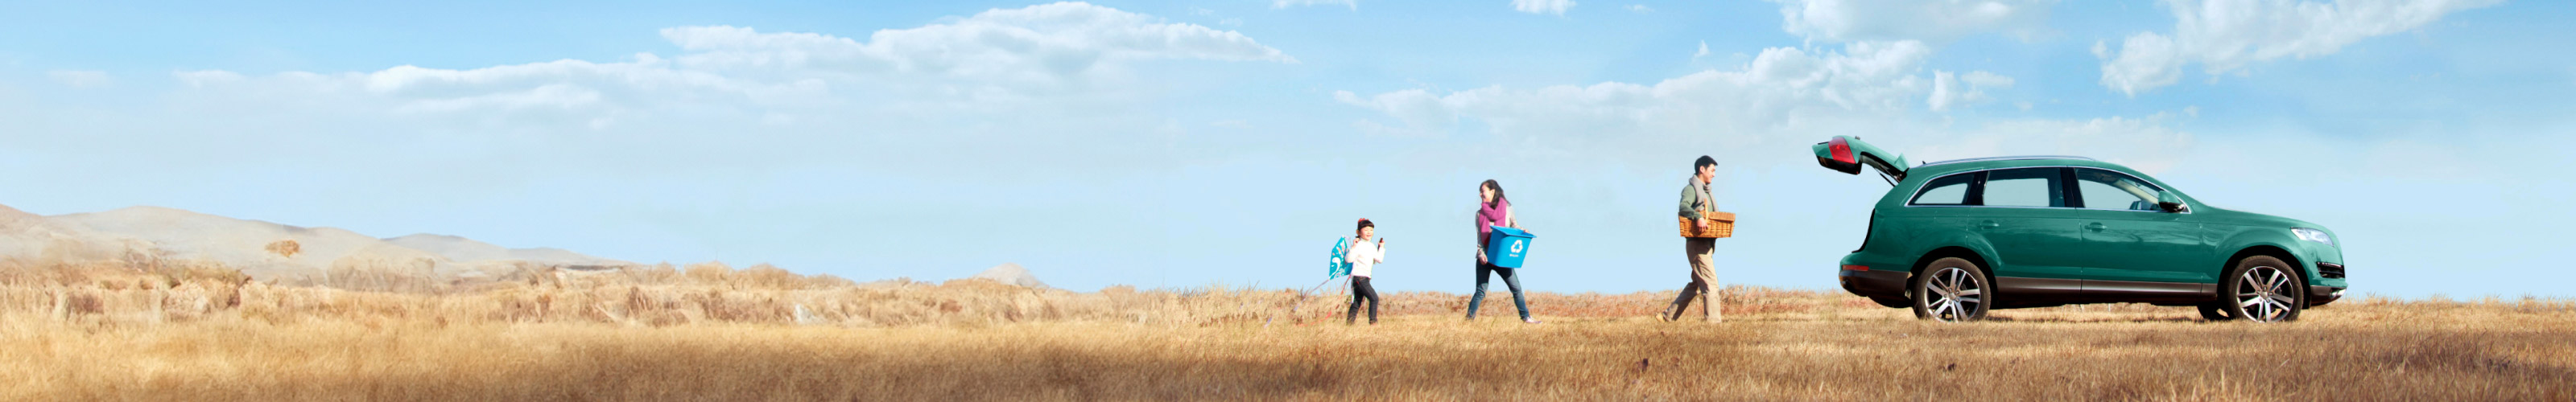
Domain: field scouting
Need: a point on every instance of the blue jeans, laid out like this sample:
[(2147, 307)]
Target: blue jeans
[(1484, 273)]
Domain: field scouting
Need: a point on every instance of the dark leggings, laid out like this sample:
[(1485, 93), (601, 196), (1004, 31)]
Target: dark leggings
[(1361, 291), (1484, 272)]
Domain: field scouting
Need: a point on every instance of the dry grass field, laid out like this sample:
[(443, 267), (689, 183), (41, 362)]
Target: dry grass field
[(711, 332)]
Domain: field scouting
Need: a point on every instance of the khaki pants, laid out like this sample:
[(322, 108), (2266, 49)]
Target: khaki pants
[(1703, 281)]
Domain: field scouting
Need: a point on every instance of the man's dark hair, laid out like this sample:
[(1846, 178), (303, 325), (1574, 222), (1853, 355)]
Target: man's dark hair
[(1703, 163), (1364, 224)]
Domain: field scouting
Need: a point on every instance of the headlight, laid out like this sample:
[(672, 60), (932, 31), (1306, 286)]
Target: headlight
[(2312, 235)]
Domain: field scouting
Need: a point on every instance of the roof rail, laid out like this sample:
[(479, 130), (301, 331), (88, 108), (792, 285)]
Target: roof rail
[(2009, 158)]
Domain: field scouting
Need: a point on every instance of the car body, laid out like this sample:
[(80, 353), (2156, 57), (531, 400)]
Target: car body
[(2056, 230)]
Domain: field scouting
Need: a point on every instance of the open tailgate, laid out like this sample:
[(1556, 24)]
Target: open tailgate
[(1846, 154)]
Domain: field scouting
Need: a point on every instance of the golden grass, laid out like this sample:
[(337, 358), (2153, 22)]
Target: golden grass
[(710, 332)]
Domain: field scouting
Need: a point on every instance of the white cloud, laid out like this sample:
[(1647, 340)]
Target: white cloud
[(1542, 6), (995, 60), (562, 93), (203, 78), (1983, 79), (2147, 144), (1964, 89), (2145, 62), (2228, 35), (1937, 21), (1640, 9), (1276, 4), (1782, 90), (1063, 83), (1060, 39), (81, 78), (1867, 75), (1785, 97), (1703, 51)]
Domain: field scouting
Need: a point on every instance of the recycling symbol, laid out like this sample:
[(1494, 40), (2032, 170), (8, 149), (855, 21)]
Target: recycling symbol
[(1518, 246)]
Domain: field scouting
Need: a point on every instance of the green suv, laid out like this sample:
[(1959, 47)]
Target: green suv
[(1957, 238)]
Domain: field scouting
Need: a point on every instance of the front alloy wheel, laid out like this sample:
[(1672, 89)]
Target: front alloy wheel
[(1951, 290), (2264, 289)]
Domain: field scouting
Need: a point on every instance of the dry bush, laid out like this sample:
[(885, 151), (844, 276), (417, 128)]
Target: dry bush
[(658, 274), (709, 272), (284, 248), (383, 275)]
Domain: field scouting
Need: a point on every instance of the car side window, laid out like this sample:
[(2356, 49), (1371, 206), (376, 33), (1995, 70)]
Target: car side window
[(2103, 189), (1947, 190), (2025, 187)]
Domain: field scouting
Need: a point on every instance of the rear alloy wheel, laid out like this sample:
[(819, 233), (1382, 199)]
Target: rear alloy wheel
[(1951, 290), (2263, 289)]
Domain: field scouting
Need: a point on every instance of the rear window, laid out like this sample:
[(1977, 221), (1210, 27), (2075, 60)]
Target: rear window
[(1947, 190), (2025, 187)]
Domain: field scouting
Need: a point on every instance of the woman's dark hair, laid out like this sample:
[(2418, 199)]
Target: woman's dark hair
[(1364, 224), (1498, 192)]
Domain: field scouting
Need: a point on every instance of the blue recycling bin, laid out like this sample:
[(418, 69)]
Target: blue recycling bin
[(1507, 247)]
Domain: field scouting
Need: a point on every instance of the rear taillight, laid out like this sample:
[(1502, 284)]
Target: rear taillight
[(1842, 150), (1855, 267)]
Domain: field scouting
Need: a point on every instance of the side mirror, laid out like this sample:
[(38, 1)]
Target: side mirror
[(2170, 202)]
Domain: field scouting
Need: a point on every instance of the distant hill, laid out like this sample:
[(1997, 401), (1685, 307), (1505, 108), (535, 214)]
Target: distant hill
[(243, 244), (1010, 273), (30, 236), (464, 250), (263, 250)]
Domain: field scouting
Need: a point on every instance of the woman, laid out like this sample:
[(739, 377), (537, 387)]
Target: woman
[(1494, 210)]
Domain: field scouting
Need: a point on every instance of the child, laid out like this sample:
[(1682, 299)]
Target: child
[(1364, 255)]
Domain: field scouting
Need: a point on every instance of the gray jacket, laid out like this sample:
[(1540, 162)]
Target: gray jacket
[(1695, 198)]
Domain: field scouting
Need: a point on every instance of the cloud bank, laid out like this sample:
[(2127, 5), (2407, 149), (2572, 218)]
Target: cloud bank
[(2229, 35), (1278, 4), (1930, 21), (1542, 6), (1002, 55), (1785, 96)]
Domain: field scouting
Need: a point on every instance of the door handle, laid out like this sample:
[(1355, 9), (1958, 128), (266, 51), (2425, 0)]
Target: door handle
[(1989, 225), (2097, 227)]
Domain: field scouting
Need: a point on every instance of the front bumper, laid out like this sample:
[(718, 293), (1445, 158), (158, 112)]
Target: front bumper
[(2330, 284), (1873, 283), (2319, 295)]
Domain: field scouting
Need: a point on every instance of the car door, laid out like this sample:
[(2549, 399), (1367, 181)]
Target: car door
[(2134, 248), (2023, 213)]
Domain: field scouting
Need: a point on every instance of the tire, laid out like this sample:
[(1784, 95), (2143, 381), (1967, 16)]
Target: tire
[(2214, 311), (1951, 290), (2263, 289)]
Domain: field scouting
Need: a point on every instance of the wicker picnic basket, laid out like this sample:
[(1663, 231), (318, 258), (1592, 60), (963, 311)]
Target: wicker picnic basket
[(1720, 225)]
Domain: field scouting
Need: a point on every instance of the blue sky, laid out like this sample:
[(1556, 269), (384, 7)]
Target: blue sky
[(1173, 144)]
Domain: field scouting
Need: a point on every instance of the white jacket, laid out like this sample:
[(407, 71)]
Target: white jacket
[(1363, 255)]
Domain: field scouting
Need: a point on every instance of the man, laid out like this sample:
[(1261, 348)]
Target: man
[(1703, 282)]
